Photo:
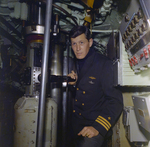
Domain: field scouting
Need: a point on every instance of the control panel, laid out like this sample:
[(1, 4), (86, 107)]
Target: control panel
[(135, 32)]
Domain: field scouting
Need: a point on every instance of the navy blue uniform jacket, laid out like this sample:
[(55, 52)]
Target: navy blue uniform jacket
[(97, 102)]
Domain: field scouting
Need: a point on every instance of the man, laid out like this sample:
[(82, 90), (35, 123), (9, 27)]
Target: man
[(98, 104)]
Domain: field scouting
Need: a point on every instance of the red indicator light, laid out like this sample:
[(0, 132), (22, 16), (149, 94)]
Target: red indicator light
[(130, 63), (135, 60), (141, 56), (132, 60), (149, 49), (145, 53)]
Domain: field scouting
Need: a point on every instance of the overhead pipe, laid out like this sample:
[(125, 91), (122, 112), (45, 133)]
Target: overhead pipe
[(68, 15), (10, 37), (8, 25), (104, 31), (42, 99)]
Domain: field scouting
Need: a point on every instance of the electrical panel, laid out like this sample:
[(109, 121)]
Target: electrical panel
[(132, 130), (142, 110), (135, 31), (131, 62), (123, 73)]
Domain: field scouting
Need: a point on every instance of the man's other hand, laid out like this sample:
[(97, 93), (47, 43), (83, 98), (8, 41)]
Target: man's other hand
[(89, 132), (73, 75)]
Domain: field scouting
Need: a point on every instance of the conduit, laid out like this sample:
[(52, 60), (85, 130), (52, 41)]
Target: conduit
[(44, 74)]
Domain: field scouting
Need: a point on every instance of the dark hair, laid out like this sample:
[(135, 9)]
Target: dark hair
[(78, 30)]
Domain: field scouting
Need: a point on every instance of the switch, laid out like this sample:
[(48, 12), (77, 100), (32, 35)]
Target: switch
[(136, 20), (123, 38), (149, 49), (130, 62), (140, 32), (127, 33), (133, 38), (127, 18), (144, 27), (146, 53), (135, 60), (139, 14), (136, 35), (141, 56), (132, 24), (129, 29), (131, 42), (126, 46)]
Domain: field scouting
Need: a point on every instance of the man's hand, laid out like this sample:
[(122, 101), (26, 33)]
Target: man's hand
[(73, 75), (89, 132)]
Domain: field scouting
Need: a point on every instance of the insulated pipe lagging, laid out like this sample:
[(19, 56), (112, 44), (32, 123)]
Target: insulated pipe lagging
[(42, 99)]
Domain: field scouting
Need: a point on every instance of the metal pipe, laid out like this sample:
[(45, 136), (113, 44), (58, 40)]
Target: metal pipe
[(65, 101), (56, 67), (104, 31), (10, 37), (8, 25), (39, 14), (68, 15), (41, 109)]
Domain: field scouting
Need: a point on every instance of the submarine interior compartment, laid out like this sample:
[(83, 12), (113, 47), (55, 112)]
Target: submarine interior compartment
[(36, 56)]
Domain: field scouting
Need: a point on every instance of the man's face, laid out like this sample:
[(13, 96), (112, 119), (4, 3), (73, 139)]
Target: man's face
[(81, 46)]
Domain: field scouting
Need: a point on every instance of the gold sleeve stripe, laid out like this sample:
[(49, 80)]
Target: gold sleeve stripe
[(105, 120), (102, 124)]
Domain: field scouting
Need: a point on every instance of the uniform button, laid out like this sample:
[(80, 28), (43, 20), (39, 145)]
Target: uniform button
[(76, 100), (79, 113), (74, 111), (77, 88), (82, 104), (83, 92)]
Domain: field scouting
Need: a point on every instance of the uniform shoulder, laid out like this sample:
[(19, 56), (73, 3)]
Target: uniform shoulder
[(102, 57)]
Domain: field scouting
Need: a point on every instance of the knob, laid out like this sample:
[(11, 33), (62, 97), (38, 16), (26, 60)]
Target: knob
[(144, 27), (127, 33), (131, 42), (136, 20), (140, 32), (132, 24), (136, 35), (133, 38), (129, 28), (123, 38), (127, 46), (127, 18), (139, 14)]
